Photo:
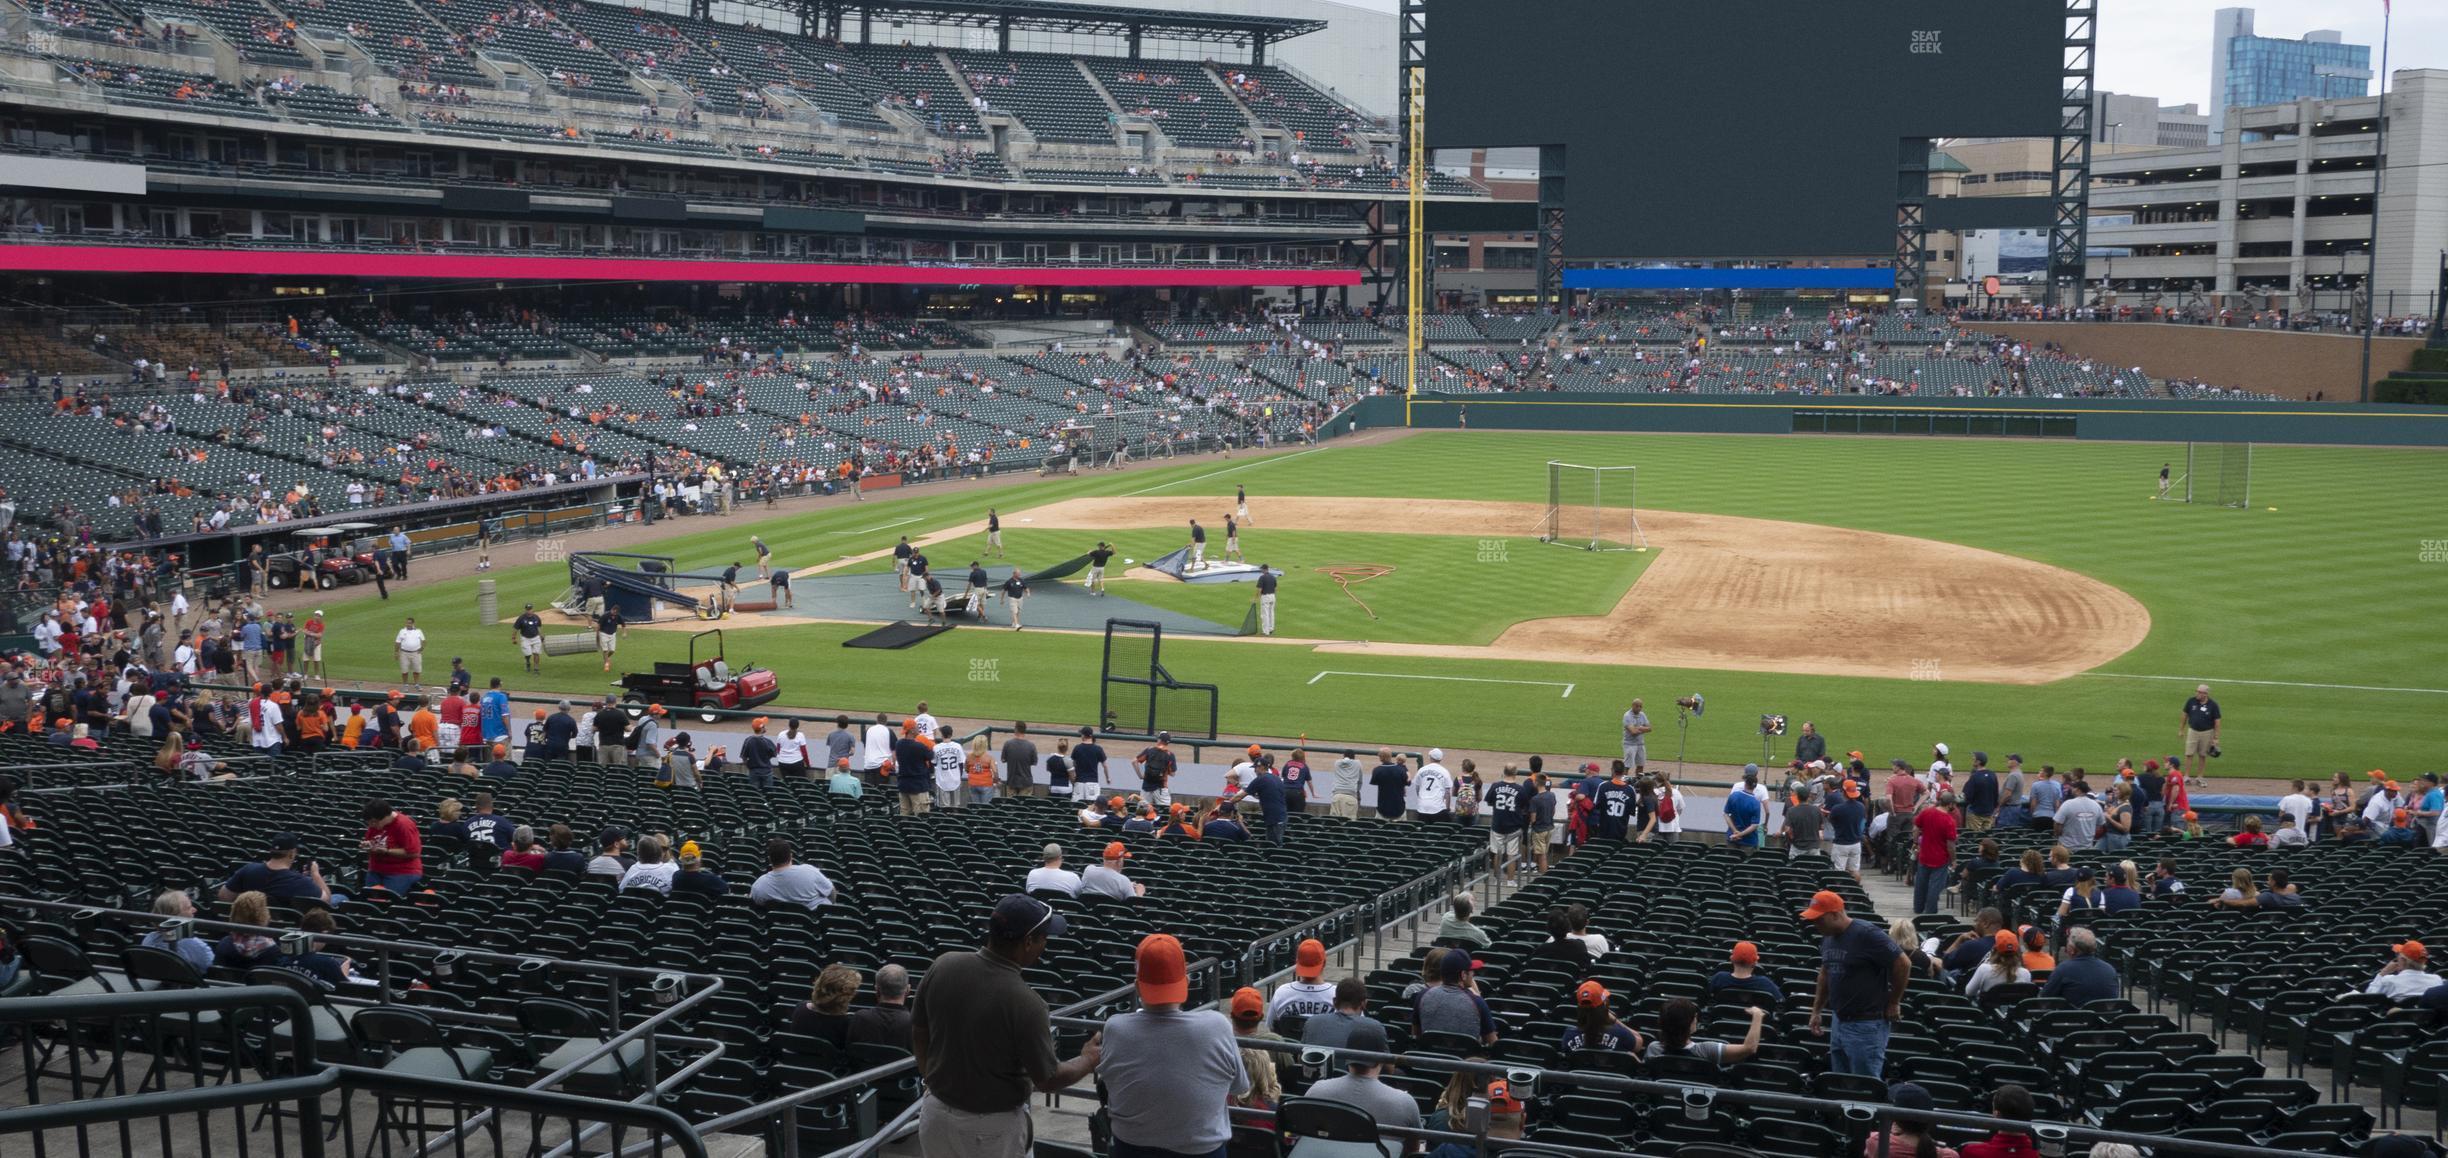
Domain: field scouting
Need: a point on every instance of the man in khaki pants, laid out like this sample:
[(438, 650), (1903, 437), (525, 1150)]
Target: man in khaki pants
[(2201, 731), (1345, 803)]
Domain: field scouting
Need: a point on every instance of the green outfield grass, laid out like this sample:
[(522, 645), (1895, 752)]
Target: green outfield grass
[(2329, 588), (1438, 592)]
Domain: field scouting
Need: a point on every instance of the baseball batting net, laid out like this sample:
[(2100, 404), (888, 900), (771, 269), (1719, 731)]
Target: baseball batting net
[(1590, 507), (1138, 697), (2218, 472)]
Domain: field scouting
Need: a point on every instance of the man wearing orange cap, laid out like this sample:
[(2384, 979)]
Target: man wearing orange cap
[(913, 769), (1266, 788), (2407, 975), (757, 753), (1847, 819), (1742, 975), (984, 1039), (1308, 994), (1105, 877), (1168, 1071), (1860, 990)]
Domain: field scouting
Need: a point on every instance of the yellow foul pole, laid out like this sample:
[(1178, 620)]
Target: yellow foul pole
[(1415, 252)]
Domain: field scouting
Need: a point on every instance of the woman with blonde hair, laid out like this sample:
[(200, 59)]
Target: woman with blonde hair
[(1902, 931), (447, 820), (247, 950), (1247, 1010), (980, 767), (2241, 892), (2003, 966), (173, 746), (826, 1014), (2082, 894)]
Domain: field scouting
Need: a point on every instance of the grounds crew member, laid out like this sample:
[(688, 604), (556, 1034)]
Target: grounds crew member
[(1015, 589), (529, 627), (1097, 559)]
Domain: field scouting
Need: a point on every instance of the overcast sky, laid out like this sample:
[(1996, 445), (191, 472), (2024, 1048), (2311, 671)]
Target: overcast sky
[(2161, 48)]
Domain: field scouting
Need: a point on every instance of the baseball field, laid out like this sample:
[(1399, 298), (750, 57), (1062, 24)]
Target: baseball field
[(2020, 596)]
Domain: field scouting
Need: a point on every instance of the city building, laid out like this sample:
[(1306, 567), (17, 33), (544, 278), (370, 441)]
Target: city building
[(2122, 119), (2002, 167), (1494, 270), (2252, 70), (2278, 213)]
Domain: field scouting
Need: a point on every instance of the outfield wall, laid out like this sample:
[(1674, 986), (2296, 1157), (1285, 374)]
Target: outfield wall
[(2289, 363), (2112, 419)]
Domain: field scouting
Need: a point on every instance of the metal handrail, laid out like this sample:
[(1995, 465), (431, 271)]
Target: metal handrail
[(156, 1002), (700, 987), (788, 1103), (843, 1085), (1537, 1079), (306, 1090), (671, 1128), (652, 1093)]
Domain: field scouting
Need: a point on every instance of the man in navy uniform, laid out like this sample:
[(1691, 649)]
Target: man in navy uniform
[(1015, 589), (2201, 730)]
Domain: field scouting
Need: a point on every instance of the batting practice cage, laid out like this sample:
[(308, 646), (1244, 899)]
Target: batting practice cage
[(1139, 697), (2218, 472), (1119, 437), (1590, 507)]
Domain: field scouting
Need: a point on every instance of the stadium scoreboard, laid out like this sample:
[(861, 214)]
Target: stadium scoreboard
[(1738, 128)]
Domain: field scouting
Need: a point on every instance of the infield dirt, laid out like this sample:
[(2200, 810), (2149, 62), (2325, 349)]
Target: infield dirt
[(1741, 594)]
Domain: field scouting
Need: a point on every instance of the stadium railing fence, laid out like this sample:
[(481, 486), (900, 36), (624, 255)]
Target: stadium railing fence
[(395, 965), (1698, 1102), (326, 1102)]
